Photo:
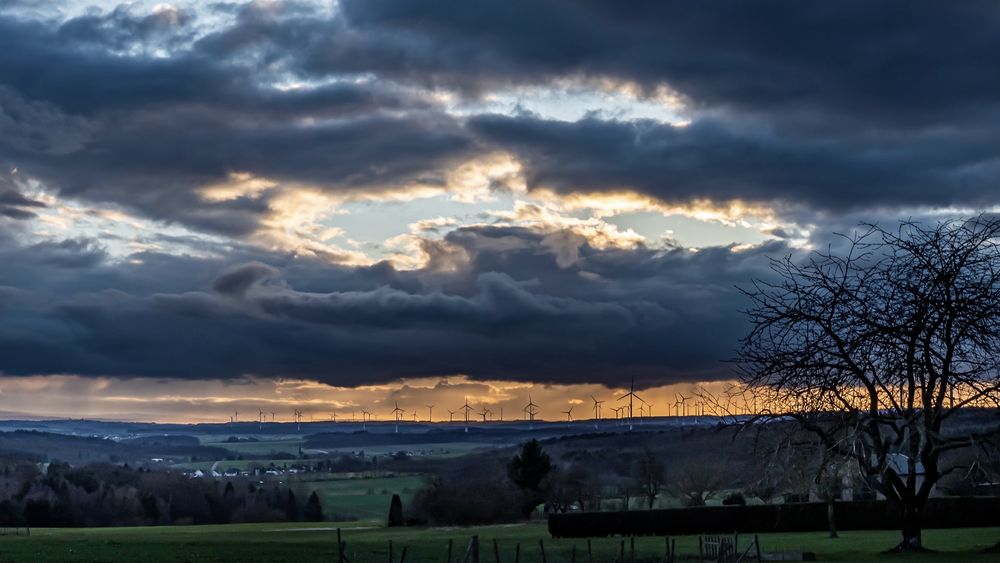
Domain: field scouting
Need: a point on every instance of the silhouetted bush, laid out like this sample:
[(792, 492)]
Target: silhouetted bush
[(467, 502), (734, 499), (314, 510)]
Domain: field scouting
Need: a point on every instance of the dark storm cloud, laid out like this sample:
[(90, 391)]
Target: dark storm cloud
[(827, 106), (122, 29), (156, 162), (891, 62), (509, 311), (238, 280), (715, 160), (148, 132), (831, 108), (15, 205)]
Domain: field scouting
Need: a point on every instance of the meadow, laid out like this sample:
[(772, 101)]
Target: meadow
[(358, 496), (367, 541)]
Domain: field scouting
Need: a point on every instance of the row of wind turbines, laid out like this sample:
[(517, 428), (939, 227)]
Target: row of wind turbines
[(623, 414)]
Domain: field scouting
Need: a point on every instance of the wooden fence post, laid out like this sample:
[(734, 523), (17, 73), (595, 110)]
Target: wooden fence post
[(340, 548), (621, 557), (390, 552), (572, 554), (402, 556), (541, 546), (517, 553), (449, 549), (631, 549), (496, 551), (590, 552), (472, 554)]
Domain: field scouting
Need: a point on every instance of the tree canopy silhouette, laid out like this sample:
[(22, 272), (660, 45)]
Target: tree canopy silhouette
[(528, 469), (875, 347)]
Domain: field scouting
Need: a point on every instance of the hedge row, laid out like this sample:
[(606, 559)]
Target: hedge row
[(797, 517)]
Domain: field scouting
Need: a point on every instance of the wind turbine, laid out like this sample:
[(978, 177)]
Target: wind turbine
[(466, 408), (272, 416), (333, 416), (298, 420), (597, 410), (569, 414), (260, 419), (365, 417), (397, 412), (631, 395), (451, 416), (430, 413), (684, 409), (236, 416), (531, 409)]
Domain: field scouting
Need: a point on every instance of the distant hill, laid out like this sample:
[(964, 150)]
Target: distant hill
[(75, 450), (486, 435)]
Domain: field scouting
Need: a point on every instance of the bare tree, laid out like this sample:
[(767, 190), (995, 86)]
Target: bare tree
[(649, 475), (696, 481), (874, 349)]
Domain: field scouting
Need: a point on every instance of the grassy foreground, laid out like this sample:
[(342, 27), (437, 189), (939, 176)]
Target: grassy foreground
[(368, 542)]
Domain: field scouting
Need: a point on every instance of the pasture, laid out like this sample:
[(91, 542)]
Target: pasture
[(368, 542), (356, 496)]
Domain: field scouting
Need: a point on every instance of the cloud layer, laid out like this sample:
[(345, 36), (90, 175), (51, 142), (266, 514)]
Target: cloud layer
[(505, 310), (173, 176)]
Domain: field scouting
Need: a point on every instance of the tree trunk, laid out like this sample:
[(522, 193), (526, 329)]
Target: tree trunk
[(831, 519), (912, 540)]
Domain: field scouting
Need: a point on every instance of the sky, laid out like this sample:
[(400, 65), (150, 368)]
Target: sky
[(218, 206)]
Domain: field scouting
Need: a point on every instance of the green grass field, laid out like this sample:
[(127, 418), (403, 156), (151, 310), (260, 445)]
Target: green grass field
[(440, 450), (290, 445), (368, 542), (346, 495), (358, 497)]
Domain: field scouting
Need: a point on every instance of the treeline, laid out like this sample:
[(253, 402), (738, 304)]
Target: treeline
[(644, 471), (111, 495), (497, 492)]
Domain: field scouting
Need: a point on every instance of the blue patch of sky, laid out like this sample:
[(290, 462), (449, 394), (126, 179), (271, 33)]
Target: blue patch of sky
[(571, 104), (373, 222), (686, 231)]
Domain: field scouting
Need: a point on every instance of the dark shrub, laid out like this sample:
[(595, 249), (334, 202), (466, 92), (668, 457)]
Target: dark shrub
[(466, 502), (734, 499)]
